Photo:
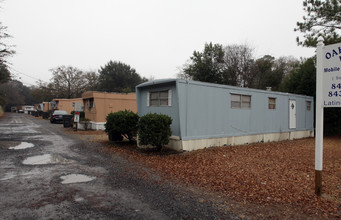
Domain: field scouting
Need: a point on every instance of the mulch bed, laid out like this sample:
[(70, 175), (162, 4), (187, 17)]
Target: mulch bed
[(267, 174)]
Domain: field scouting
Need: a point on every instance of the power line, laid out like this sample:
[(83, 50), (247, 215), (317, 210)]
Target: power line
[(30, 84), (25, 74)]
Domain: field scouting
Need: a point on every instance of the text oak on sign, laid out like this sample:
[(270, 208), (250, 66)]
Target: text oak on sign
[(332, 75)]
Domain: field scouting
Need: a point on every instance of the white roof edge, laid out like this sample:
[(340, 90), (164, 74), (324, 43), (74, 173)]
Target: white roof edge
[(157, 81)]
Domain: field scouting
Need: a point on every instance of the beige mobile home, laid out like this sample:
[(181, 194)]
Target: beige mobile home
[(97, 105), (47, 107), (66, 104)]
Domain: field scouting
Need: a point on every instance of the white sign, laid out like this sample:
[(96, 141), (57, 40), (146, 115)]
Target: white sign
[(332, 75), (78, 107), (76, 118)]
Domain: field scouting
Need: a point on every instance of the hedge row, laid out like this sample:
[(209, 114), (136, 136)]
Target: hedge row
[(153, 129)]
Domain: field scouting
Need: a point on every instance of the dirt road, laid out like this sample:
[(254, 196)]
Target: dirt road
[(46, 173)]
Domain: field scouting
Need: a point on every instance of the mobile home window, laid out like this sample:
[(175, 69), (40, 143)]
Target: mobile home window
[(272, 103), (308, 105), (90, 103), (240, 101), (160, 98)]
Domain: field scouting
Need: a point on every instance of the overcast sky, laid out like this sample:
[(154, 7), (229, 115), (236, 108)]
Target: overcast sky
[(155, 37)]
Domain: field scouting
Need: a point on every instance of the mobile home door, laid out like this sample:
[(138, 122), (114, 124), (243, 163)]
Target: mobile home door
[(292, 114)]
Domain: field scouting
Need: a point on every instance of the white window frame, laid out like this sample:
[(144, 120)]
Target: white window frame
[(272, 105), (240, 101), (308, 105), (159, 98)]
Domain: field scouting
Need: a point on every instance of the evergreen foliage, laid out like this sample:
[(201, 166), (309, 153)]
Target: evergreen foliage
[(121, 123), (118, 77), (235, 65), (154, 129), (206, 66), (5, 49), (301, 80), (323, 18)]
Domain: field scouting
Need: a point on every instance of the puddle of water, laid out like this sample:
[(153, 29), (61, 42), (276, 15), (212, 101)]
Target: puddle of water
[(22, 145), (79, 199), (9, 144), (76, 178), (25, 175), (46, 159)]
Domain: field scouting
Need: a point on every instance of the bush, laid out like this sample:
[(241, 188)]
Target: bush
[(121, 123), (154, 129), (115, 136)]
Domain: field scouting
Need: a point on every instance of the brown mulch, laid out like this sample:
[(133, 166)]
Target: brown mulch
[(277, 174)]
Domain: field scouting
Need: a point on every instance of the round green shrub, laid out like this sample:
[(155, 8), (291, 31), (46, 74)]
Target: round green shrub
[(115, 136), (154, 129), (122, 123)]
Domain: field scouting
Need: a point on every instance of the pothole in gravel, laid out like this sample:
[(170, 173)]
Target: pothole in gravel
[(16, 145), (25, 175), (22, 145), (76, 178), (46, 159), (79, 199)]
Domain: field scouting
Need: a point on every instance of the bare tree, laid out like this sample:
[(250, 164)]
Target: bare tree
[(68, 82), (286, 64), (238, 64), (181, 74), (91, 78), (44, 92)]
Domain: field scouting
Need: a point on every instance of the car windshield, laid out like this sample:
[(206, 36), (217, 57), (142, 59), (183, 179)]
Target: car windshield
[(60, 113)]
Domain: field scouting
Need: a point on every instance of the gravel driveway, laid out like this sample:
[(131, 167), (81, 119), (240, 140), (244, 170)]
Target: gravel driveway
[(48, 174)]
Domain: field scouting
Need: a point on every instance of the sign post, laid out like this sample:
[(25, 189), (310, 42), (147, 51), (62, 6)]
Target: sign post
[(78, 107), (328, 94), (319, 120), (76, 119)]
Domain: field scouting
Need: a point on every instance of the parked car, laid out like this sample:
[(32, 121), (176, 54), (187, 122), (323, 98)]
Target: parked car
[(20, 111), (57, 116)]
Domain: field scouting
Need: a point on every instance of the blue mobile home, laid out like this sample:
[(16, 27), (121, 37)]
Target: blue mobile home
[(206, 114)]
